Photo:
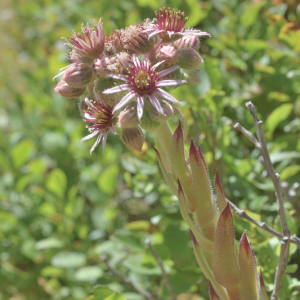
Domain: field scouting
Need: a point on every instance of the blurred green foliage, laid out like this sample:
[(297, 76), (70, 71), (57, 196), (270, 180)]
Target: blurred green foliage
[(61, 209)]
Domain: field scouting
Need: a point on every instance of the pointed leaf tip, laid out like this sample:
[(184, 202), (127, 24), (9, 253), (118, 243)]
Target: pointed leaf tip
[(262, 286), (213, 295), (178, 132), (224, 262), (249, 289)]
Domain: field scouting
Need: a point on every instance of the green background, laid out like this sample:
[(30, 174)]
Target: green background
[(61, 208)]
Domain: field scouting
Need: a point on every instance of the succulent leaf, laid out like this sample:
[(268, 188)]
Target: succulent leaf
[(213, 295), (224, 263), (166, 175), (262, 287), (220, 195), (205, 243), (180, 169), (249, 289), (206, 211)]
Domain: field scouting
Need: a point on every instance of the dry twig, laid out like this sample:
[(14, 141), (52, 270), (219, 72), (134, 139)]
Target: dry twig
[(261, 144)]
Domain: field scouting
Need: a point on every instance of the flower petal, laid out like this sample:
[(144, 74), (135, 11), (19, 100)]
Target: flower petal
[(155, 103), (120, 77), (167, 71), (124, 100), (117, 89), (140, 106), (90, 135), (169, 82), (97, 142), (166, 95)]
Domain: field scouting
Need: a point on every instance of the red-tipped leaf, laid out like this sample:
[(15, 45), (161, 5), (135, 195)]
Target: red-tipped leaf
[(180, 169), (262, 287), (224, 263), (207, 214), (220, 195), (213, 295), (249, 289)]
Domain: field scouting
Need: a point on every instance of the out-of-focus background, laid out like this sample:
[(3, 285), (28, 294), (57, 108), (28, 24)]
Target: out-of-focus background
[(61, 208)]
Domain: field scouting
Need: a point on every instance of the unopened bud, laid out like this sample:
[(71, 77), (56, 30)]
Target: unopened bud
[(192, 77), (167, 112), (78, 75), (125, 59), (169, 53), (133, 138), (148, 123), (67, 91), (128, 117), (136, 41), (107, 65), (188, 41), (189, 58)]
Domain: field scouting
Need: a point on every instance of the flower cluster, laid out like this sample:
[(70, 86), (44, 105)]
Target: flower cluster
[(147, 57)]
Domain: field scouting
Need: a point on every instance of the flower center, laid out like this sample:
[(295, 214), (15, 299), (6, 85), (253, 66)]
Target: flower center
[(142, 80)]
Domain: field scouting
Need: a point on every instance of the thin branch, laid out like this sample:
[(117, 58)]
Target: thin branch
[(128, 281), (243, 215), (281, 266), (164, 274), (269, 167), (261, 144)]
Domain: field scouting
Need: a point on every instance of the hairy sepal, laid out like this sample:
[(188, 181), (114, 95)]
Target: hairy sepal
[(224, 263), (206, 211), (180, 169)]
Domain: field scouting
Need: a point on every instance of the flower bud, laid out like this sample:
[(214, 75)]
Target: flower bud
[(125, 59), (189, 58), (107, 65), (133, 138), (128, 117), (78, 75), (136, 41), (148, 123), (158, 117), (67, 91), (114, 42), (188, 41), (169, 53), (192, 77)]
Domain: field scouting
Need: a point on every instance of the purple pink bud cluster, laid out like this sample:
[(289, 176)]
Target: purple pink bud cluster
[(148, 57)]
